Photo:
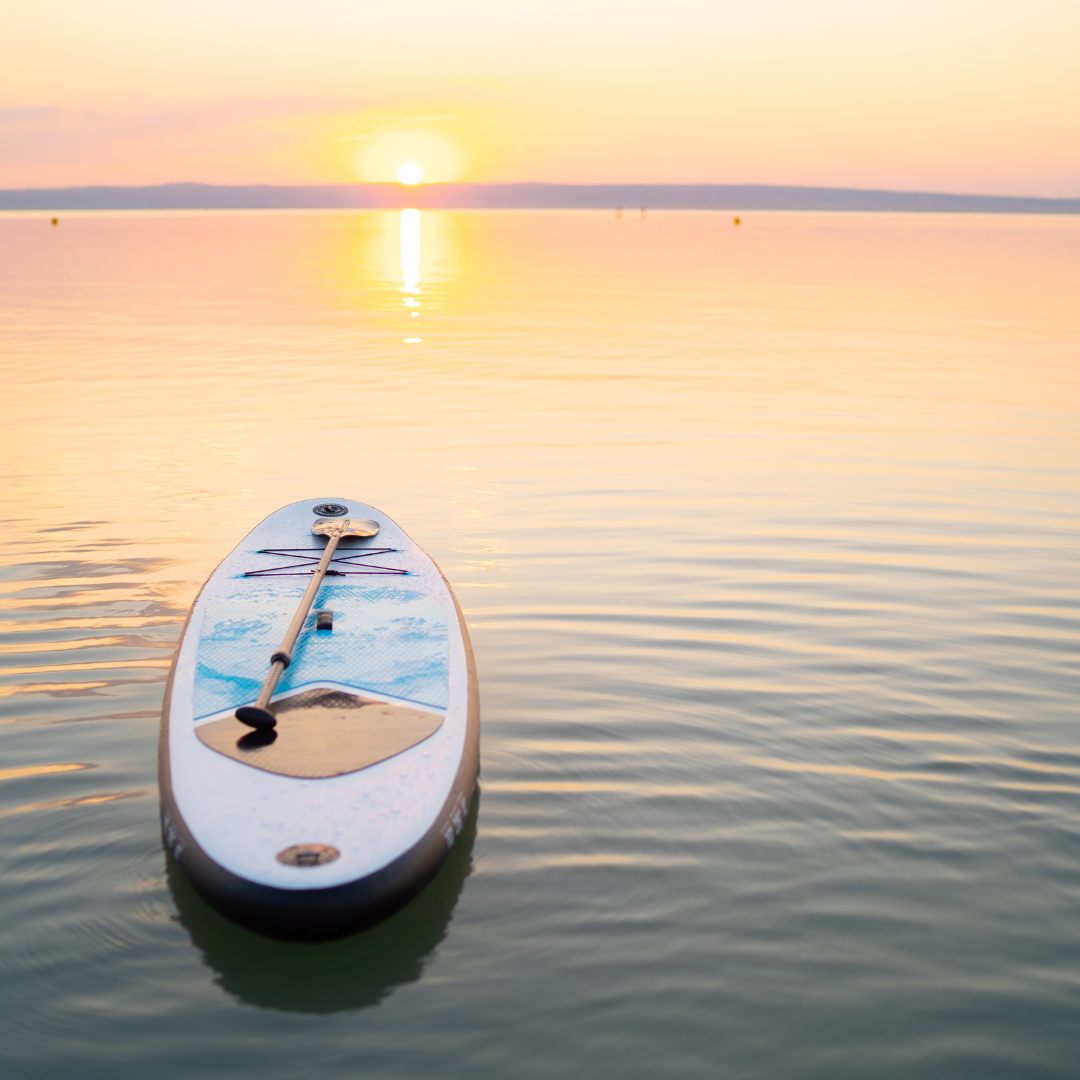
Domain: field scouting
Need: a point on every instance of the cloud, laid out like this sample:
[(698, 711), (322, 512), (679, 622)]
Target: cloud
[(239, 140), (28, 115)]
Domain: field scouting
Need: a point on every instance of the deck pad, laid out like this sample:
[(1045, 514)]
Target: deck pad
[(322, 733)]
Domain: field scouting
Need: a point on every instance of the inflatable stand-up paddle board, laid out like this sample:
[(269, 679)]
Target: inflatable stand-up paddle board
[(320, 733)]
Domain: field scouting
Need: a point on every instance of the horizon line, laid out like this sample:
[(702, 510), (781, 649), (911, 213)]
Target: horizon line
[(444, 184), (519, 194)]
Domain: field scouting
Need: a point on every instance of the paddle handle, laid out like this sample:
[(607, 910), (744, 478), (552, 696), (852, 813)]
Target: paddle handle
[(283, 657)]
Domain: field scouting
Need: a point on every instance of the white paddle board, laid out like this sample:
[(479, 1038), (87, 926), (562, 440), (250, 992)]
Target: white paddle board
[(349, 806)]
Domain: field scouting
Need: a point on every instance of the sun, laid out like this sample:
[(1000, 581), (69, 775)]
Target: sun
[(409, 173), (407, 157)]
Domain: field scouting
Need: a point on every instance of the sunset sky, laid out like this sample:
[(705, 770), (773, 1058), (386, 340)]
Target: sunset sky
[(978, 96)]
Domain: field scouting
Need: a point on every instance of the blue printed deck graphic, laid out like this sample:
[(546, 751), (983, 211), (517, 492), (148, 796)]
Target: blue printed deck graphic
[(387, 640)]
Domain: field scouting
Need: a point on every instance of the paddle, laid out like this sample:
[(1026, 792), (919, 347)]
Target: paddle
[(257, 715)]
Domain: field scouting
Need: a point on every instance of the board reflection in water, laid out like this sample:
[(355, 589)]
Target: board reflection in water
[(334, 976)]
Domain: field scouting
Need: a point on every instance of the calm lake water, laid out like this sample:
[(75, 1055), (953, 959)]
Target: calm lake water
[(767, 539)]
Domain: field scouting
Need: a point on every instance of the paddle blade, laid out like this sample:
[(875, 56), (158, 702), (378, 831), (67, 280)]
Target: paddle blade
[(259, 719), (362, 527)]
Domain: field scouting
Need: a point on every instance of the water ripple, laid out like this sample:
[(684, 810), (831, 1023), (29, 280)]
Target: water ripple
[(766, 541)]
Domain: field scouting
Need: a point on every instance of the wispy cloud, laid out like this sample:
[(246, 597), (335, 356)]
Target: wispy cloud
[(28, 115), (230, 140)]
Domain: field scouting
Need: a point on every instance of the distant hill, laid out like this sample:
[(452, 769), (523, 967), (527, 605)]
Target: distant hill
[(519, 196)]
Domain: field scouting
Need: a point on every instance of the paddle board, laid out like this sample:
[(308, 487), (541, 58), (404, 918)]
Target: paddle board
[(348, 807)]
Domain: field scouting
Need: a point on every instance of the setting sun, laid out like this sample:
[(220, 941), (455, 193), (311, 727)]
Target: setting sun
[(409, 173), (407, 157)]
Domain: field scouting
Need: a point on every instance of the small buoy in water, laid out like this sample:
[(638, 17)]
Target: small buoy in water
[(618, 211), (643, 211), (738, 221), (55, 221)]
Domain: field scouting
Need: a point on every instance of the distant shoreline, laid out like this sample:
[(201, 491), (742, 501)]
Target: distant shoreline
[(525, 196)]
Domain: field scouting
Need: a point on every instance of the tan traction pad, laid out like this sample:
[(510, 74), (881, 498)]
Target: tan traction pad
[(322, 733)]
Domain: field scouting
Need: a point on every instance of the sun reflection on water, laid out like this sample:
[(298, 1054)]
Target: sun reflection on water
[(410, 261), (410, 250)]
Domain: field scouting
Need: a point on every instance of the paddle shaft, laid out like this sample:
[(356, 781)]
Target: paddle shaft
[(283, 657)]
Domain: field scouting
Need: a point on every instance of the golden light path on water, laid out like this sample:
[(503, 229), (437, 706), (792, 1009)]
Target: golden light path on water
[(410, 263), (766, 537)]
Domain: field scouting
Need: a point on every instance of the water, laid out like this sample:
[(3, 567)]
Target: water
[(766, 537)]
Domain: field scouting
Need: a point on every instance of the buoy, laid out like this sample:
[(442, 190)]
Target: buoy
[(738, 221), (55, 221), (618, 211), (643, 211)]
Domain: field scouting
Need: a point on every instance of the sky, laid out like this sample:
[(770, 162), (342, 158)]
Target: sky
[(973, 96)]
